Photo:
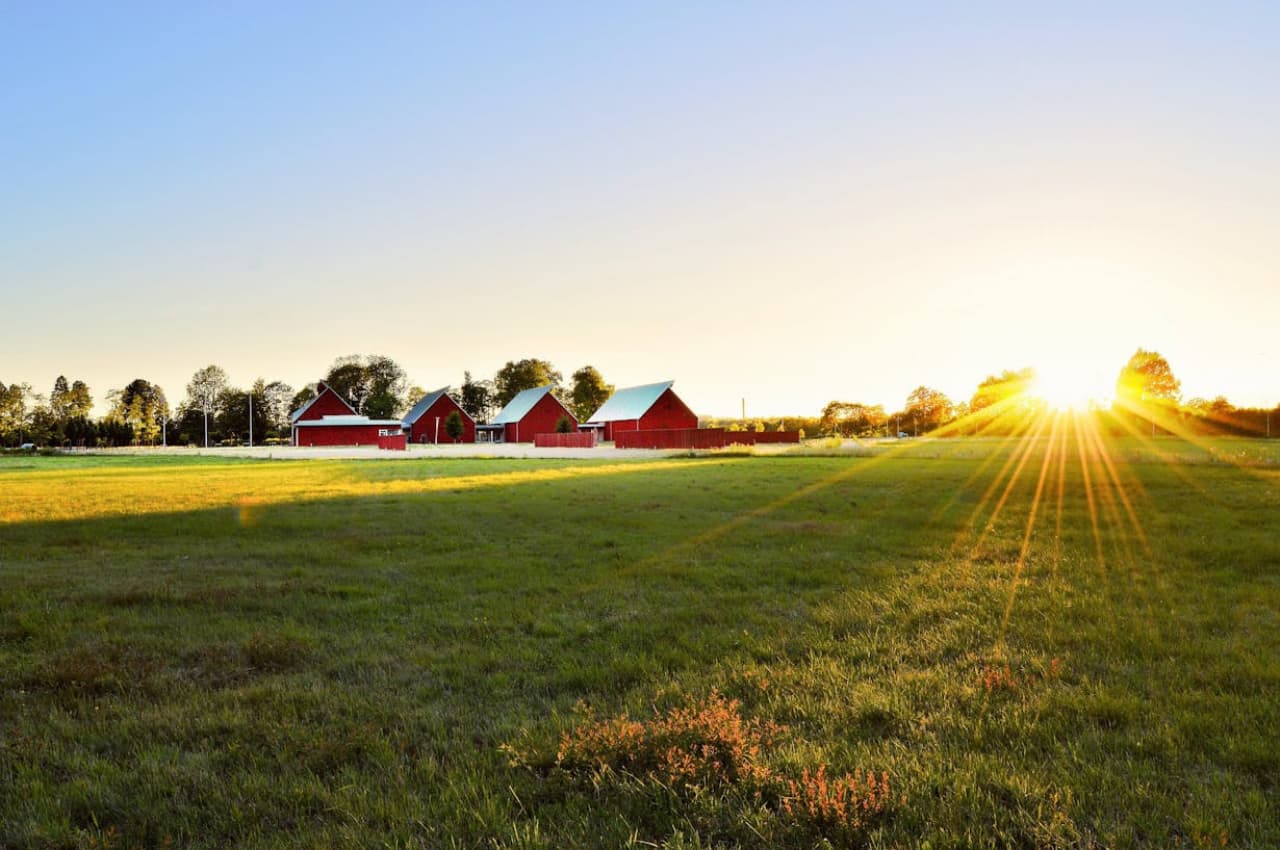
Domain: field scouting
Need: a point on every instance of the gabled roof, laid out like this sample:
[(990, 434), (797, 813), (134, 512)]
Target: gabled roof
[(522, 404), (630, 403), (322, 388), (425, 403)]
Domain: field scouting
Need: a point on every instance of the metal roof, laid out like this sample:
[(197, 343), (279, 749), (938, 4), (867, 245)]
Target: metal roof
[(520, 405), (630, 403), (424, 404), (323, 388), (346, 420)]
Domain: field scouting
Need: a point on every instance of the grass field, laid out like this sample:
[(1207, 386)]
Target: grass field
[(1042, 643)]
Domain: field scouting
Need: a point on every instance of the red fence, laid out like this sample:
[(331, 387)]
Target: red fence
[(397, 442), (699, 438), (579, 440)]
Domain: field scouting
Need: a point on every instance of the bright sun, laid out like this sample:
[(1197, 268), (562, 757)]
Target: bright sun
[(1070, 390)]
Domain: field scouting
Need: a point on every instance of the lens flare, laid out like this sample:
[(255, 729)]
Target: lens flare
[(1067, 390)]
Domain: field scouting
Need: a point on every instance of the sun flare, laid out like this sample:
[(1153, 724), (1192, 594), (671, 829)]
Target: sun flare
[(1066, 390)]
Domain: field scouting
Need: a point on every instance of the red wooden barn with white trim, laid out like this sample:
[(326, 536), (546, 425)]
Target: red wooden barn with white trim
[(425, 421), (530, 413), (328, 420), (648, 407)]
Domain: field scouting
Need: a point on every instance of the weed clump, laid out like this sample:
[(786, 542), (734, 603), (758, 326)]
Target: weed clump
[(708, 749), (706, 744), (835, 806)]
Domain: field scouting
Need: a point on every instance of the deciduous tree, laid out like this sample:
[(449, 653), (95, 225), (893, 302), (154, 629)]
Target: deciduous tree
[(927, 408), (476, 398), (588, 393), (374, 385), (519, 375), (852, 419), (994, 389), (1147, 377), (203, 390)]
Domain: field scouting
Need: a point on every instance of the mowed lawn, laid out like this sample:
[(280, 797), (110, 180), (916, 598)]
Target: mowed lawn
[(1042, 643)]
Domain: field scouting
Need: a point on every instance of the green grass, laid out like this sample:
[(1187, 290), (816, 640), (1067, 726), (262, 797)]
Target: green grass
[(334, 654)]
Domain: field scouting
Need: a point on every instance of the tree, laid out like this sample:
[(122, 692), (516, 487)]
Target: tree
[(374, 385), (203, 391), (927, 408), (476, 398), (388, 385), (78, 402), (58, 398), (301, 397), (453, 425), (142, 406), (588, 393), (851, 419), (1147, 377), (348, 379), (275, 399), (13, 412), (995, 389), (564, 426), (520, 375)]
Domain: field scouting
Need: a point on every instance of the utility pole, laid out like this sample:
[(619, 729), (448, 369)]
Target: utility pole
[(206, 424), (250, 418)]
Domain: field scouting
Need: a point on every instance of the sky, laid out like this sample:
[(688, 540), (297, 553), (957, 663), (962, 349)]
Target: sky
[(775, 203)]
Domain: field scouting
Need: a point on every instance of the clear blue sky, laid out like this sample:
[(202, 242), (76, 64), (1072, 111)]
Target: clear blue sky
[(787, 203)]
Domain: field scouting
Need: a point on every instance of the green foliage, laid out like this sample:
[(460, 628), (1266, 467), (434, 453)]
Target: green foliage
[(852, 419), (995, 389), (142, 406), (454, 426), (374, 385), (589, 391), (476, 398), (1147, 377), (564, 425), (520, 375), (927, 409), (13, 413)]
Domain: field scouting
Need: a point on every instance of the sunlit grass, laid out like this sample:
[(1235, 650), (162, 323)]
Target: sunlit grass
[(246, 486)]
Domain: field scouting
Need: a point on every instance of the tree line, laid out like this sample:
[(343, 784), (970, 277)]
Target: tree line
[(214, 412), (1147, 399)]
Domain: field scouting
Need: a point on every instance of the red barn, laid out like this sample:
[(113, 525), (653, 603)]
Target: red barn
[(326, 402), (348, 431), (327, 420), (649, 407), (425, 421), (530, 413)]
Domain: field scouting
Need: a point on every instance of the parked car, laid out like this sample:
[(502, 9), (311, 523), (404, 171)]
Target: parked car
[(28, 447)]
